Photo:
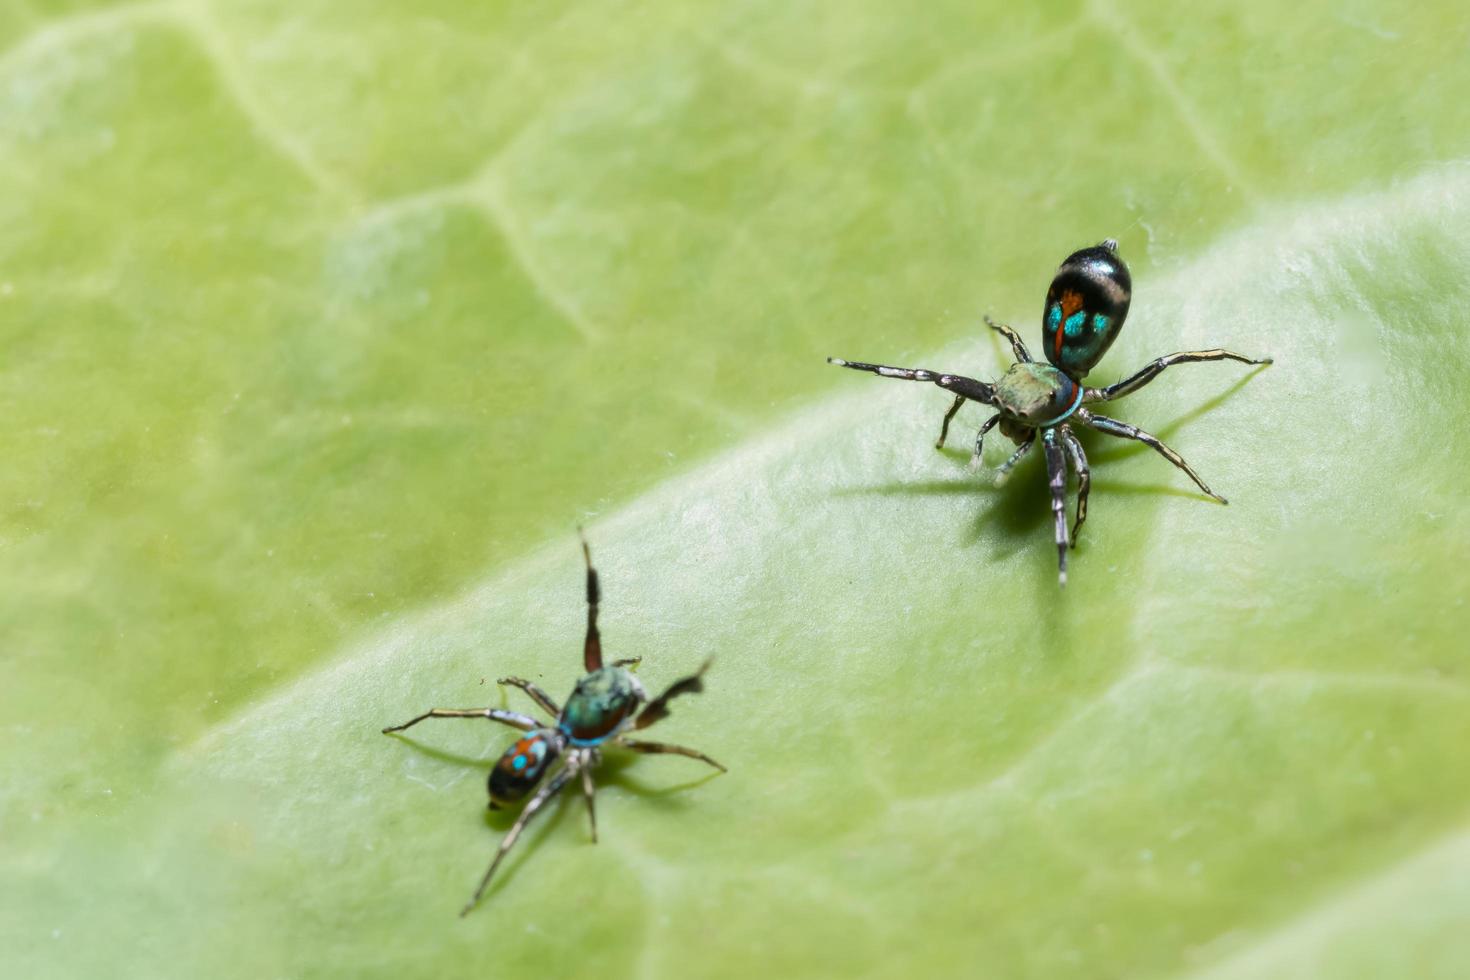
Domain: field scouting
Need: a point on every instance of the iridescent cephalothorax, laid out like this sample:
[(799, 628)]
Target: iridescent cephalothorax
[(607, 703), (1085, 308)]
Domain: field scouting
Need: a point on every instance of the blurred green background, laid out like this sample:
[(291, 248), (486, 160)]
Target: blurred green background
[(324, 323)]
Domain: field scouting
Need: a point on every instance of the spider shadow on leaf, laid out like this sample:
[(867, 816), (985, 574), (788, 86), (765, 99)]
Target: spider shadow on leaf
[(500, 821), (611, 772), (1012, 508), (1117, 449), (614, 772), (1013, 513)]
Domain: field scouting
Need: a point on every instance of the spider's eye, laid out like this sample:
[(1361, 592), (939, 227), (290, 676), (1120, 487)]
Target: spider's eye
[(1085, 308)]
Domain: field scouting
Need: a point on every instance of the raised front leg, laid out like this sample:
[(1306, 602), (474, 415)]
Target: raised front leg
[(658, 708), (1125, 431), (592, 646), (1129, 385), (1004, 473), (980, 440)]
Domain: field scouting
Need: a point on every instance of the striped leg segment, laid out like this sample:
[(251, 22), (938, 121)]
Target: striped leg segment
[(664, 748), (536, 694), (512, 718), (592, 646), (658, 708), (1056, 478), (1125, 431), (1084, 477), (977, 391), (536, 803)]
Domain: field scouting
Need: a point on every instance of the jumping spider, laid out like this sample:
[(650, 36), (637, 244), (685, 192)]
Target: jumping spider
[(601, 709), (1084, 312)]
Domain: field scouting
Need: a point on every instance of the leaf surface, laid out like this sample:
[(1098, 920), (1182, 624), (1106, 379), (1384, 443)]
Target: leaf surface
[(324, 326)]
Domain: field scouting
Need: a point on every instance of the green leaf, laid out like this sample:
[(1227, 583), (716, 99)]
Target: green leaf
[(324, 325)]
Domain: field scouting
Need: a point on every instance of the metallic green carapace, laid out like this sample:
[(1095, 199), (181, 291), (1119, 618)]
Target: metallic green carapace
[(601, 704)]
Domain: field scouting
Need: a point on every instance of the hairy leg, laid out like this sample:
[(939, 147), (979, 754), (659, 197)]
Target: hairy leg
[(664, 748), (512, 718), (1125, 431), (1084, 477), (1004, 473), (1056, 479), (1131, 384), (545, 793), (536, 694)]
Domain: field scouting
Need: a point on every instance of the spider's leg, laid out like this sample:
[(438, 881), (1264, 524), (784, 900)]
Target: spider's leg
[(588, 792), (1084, 476), (664, 748), (1129, 385), (536, 803), (1018, 346), (1125, 431), (539, 696), (944, 427), (976, 391), (1056, 478), (980, 440), (658, 708), (512, 718), (628, 662), (592, 646), (1004, 473)]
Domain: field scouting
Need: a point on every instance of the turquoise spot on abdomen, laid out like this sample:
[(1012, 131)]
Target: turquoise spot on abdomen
[(521, 766), (1074, 324)]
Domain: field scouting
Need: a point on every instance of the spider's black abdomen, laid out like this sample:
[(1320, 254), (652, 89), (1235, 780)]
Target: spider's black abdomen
[(522, 765), (1085, 308)]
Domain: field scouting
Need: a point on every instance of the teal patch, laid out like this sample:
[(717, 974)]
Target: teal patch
[(1100, 323), (1076, 404), (1054, 317), (1074, 323)]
